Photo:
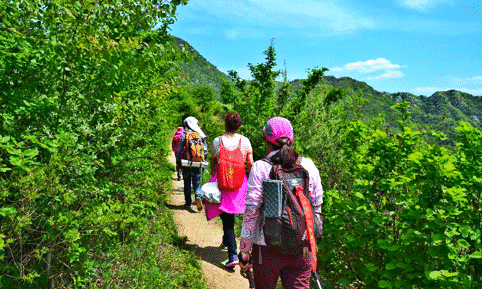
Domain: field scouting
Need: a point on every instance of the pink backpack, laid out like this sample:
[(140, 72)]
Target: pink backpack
[(176, 138)]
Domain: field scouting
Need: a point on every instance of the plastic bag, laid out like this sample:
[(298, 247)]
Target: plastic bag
[(210, 192)]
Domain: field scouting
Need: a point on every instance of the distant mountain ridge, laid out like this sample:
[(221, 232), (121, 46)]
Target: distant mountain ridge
[(442, 110)]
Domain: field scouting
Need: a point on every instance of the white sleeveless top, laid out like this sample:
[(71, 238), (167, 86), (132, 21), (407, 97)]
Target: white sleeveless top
[(231, 144)]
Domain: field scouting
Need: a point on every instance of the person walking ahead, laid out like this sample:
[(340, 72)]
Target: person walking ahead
[(175, 145), (230, 153), (192, 147), (263, 242)]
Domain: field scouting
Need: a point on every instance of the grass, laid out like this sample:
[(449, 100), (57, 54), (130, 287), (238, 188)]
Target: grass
[(155, 257)]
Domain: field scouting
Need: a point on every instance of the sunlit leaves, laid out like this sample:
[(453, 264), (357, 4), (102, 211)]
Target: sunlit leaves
[(420, 222), (84, 100)]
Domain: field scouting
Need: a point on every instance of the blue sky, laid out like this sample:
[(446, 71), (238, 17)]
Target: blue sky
[(416, 46)]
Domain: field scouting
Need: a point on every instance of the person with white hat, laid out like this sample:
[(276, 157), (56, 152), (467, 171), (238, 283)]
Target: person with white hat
[(191, 175)]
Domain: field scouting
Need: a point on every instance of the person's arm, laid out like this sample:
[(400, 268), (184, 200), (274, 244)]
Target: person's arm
[(254, 199), (206, 150), (214, 165), (249, 156), (214, 156), (249, 163), (316, 189)]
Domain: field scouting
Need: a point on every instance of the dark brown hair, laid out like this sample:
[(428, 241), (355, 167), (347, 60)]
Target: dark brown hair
[(286, 155), (232, 122)]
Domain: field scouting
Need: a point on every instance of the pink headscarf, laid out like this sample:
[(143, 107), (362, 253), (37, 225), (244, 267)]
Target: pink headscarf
[(180, 130), (278, 127)]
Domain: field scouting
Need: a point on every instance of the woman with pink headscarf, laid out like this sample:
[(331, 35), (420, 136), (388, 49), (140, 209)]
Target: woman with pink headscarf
[(267, 262)]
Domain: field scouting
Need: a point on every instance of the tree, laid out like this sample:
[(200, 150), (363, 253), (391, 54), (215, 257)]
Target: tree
[(84, 90)]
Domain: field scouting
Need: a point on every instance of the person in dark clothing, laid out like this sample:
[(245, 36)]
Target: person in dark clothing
[(175, 145), (191, 175)]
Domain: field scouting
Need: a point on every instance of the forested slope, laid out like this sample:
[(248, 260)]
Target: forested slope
[(199, 71), (441, 111)]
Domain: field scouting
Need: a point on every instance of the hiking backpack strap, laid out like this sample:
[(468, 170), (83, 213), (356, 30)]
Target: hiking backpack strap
[(189, 137), (308, 212)]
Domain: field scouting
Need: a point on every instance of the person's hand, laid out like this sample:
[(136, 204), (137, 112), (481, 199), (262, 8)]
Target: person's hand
[(245, 263)]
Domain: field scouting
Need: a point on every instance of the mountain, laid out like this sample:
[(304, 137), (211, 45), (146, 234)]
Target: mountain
[(441, 111), (201, 71)]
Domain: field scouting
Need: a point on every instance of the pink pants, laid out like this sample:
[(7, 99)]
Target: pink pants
[(269, 265)]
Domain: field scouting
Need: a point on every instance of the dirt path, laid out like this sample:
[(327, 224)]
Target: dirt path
[(204, 238)]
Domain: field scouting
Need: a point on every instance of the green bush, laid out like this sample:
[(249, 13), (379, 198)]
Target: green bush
[(410, 217), (399, 212), (86, 112)]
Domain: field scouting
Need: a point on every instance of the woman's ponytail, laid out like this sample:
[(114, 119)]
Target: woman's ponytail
[(286, 155)]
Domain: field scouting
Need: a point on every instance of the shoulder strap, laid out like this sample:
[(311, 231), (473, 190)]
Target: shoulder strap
[(268, 160), (239, 144), (298, 160)]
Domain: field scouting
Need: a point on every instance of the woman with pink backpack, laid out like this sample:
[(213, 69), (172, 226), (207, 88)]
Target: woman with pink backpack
[(175, 145)]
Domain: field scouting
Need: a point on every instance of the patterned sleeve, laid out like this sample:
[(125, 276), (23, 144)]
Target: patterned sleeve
[(254, 199), (216, 147), (206, 150), (315, 185)]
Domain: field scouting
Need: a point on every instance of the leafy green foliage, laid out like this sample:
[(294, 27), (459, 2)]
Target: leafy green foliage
[(256, 100), (399, 212), (406, 215), (87, 104), (259, 100)]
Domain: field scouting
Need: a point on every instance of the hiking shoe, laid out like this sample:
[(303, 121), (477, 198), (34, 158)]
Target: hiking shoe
[(232, 261), (199, 204)]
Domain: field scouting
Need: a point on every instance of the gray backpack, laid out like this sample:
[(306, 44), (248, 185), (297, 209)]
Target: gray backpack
[(285, 225)]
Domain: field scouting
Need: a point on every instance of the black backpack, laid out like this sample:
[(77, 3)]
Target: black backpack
[(285, 225)]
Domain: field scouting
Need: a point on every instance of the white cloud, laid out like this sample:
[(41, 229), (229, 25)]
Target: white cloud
[(422, 5), (232, 34), (327, 17), (472, 85), (460, 82), (370, 66), (244, 33), (388, 74), (477, 79)]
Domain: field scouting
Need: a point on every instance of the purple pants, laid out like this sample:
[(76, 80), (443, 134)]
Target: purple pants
[(269, 265)]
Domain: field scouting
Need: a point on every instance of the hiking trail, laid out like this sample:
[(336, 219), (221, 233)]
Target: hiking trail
[(204, 240)]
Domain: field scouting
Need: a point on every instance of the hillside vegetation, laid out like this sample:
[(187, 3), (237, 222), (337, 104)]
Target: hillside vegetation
[(441, 111), (90, 95), (402, 201), (88, 103), (199, 71)]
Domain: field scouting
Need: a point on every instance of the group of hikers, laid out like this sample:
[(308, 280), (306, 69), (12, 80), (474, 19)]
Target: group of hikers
[(280, 197)]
